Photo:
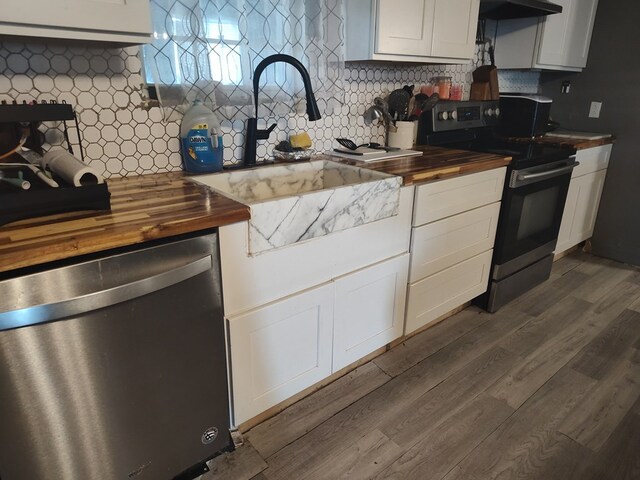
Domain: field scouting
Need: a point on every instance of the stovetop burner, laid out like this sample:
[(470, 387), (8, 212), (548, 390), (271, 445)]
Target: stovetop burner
[(524, 154)]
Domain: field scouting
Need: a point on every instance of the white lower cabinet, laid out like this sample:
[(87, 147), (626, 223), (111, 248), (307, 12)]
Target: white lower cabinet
[(444, 291), (454, 229), (440, 244), (583, 198), (369, 310), (253, 280), (443, 198), (581, 209), (280, 349)]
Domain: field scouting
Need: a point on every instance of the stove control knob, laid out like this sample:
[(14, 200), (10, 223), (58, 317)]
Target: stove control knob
[(453, 115), (443, 116), (489, 112), (497, 112)]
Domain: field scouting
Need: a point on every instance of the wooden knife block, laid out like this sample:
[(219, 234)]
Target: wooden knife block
[(485, 83)]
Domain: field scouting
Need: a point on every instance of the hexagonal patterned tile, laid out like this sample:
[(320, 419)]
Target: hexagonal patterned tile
[(120, 138)]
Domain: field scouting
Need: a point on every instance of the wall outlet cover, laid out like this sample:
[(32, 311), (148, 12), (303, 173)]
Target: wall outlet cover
[(594, 111)]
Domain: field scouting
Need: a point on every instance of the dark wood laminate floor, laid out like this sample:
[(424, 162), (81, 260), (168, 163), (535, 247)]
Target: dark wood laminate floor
[(547, 388)]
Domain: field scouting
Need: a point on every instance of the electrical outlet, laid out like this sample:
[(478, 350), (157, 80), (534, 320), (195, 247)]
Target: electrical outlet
[(594, 111)]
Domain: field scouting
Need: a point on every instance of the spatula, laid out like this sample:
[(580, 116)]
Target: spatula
[(351, 145)]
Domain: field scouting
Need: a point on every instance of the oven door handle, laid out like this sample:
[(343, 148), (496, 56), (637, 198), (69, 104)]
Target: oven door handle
[(526, 178)]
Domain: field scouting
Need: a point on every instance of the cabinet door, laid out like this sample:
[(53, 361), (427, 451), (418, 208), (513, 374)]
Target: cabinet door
[(565, 37), (369, 310), (77, 19), (580, 210), (454, 28), (279, 350), (569, 213), (404, 28), (589, 191)]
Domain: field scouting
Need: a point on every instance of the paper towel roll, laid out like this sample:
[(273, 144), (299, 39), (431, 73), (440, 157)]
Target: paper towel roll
[(71, 169)]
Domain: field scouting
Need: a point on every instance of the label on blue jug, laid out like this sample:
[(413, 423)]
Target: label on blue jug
[(202, 151)]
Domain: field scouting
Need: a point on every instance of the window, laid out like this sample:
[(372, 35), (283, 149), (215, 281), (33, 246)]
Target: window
[(209, 48)]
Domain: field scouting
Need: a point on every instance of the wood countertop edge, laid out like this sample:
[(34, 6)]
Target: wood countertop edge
[(577, 143), (445, 163), (145, 208), (129, 224), (444, 173)]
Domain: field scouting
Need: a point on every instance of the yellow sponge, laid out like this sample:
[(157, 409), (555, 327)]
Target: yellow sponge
[(300, 140)]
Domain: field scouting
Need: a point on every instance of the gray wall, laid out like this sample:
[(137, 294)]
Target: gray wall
[(612, 76)]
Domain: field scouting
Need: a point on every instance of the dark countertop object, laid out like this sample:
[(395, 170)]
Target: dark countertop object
[(577, 143), (144, 208), (435, 163)]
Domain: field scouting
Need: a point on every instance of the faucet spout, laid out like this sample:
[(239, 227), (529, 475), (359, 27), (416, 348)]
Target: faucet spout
[(253, 134)]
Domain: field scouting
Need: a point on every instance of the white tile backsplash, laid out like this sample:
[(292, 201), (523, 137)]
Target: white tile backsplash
[(120, 138)]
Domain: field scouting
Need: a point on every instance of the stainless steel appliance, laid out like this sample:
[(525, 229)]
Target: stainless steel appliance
[(532, 202), (524, 115), (114, 368)]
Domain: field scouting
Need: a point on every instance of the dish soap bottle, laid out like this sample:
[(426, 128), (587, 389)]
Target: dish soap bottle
[(201, 140)]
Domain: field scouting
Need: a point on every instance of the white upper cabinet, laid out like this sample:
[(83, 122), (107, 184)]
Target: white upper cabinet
[(454, 28), (565, 40), (412, 30), (114, 21), (397, 31), (556, 42)]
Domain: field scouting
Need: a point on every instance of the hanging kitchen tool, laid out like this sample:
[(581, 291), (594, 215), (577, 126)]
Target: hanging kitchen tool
[(384, 106), (372, 114), (409, 89), (399, 104)]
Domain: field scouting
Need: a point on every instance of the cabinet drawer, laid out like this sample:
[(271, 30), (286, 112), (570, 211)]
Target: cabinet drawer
[(592, 160), (279, 350), (444, 243), (369, 310), (445, 198), (444, 291)]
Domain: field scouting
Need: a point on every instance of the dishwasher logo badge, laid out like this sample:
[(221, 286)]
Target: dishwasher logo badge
[(209, 435)]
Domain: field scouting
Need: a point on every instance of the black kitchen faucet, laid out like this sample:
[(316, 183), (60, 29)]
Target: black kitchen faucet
[(253, 133)]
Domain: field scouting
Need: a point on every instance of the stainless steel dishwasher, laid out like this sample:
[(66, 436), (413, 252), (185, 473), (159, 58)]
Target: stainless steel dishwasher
[(114, 368)]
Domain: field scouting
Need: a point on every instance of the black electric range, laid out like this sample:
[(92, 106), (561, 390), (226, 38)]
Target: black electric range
[(533, 199)]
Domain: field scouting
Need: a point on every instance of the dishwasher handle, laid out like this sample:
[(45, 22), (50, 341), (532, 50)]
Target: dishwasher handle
[(104, 298)]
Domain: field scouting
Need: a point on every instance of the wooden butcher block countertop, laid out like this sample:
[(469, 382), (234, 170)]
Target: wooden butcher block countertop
[(577, 143), (435, 163), (143, 208)]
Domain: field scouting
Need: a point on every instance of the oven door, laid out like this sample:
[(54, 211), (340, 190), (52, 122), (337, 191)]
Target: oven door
[(532, 208)]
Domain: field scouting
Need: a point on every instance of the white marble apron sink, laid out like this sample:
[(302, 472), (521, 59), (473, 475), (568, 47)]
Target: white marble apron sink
[(296, 202)]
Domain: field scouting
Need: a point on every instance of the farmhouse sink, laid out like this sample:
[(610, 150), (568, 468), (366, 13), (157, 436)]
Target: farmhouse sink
[(295, 202)]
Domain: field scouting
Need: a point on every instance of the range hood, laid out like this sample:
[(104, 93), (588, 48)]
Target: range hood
[(503, 9)]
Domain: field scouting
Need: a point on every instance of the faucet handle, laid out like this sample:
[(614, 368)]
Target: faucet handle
[(264, 134)]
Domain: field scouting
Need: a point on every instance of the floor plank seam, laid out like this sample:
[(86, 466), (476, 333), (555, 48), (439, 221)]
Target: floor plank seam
[(389, 378), (479, 444), (435, 351), (572, 440)]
